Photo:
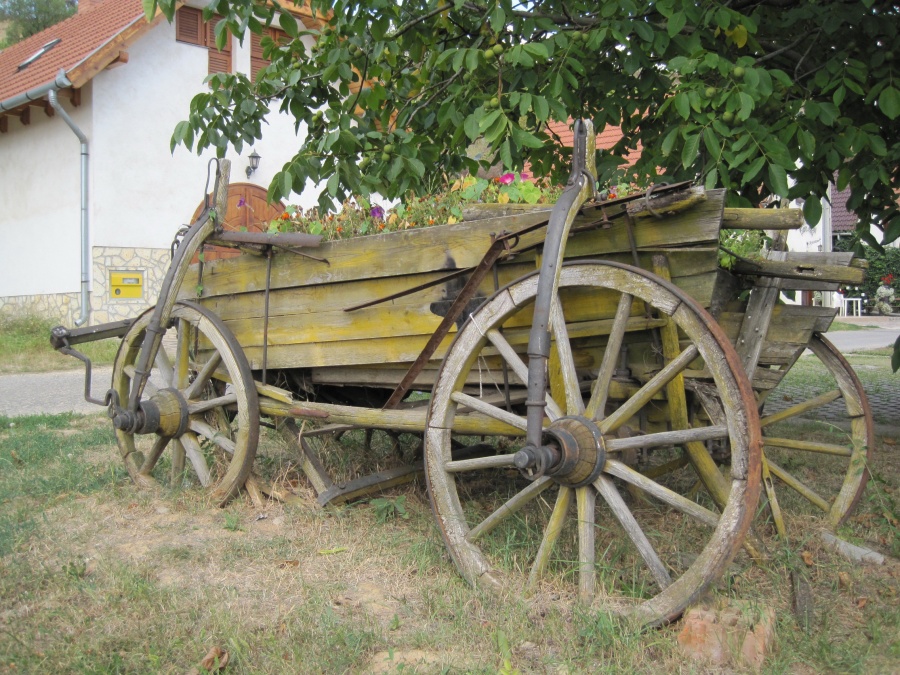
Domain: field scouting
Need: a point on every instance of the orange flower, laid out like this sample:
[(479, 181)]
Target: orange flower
[(431, 221), (381, 226), (285, 216), (339, 229)]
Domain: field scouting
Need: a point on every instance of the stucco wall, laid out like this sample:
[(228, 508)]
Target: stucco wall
[(40, 194)]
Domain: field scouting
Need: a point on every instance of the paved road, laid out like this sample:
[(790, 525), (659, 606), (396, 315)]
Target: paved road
[(58, 392), (50, 393)]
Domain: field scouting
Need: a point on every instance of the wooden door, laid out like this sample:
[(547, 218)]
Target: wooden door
[(247, 212)]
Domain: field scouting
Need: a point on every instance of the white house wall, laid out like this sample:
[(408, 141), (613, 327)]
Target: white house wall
[(41, 195), (140, 192)]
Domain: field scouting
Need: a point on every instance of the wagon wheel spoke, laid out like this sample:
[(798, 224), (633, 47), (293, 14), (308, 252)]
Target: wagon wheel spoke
[(662, 493), (506, 528), (195, 407), (565, 359), (551, 534), (199, 411), (156, 451), (597, 403), (216, 436), (164, 367), (664, 438), (149, 389), (490, 410), (195, 454), (818, 435), (515, 362), (628, 522), (509, 508), (203, 376), (652, 387), (182, 354), (800, 408), (798, 486), (585, 500)]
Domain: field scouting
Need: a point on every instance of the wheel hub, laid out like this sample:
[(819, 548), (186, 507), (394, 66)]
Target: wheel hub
[(165, 413), (572, 453)]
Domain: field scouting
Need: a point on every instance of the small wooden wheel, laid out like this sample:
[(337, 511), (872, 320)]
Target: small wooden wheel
[(818, 436), (585, 523), (206, 401)]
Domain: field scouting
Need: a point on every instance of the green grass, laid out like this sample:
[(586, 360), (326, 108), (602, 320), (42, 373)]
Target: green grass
[(841, 325), (25, 347), (97, 576)]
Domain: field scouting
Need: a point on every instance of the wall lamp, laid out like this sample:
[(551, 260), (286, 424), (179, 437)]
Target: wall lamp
[(254, 163)]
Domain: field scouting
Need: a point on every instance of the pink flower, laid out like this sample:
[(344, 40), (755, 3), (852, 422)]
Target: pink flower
[(506, 178), (524, 176), (377, 212)]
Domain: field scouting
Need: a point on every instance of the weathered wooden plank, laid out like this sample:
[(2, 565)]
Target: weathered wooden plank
[(397, 320), (797, 269), (762, 219), (450, 247)]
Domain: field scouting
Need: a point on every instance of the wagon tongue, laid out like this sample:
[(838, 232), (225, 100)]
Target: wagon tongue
[(572, 453)]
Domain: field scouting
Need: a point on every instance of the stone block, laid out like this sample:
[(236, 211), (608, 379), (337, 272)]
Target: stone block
[(735, 635)]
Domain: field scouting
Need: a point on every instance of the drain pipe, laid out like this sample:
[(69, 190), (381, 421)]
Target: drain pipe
[(85, 231)]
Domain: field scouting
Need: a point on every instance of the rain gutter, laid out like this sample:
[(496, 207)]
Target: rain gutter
[(85, 229)]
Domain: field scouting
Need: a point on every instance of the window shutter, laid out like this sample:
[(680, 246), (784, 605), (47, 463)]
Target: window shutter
[(189, 25), (219, 61), (257, 61)]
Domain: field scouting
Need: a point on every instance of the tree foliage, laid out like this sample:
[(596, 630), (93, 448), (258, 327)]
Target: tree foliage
[(764, 97), (27, 17)]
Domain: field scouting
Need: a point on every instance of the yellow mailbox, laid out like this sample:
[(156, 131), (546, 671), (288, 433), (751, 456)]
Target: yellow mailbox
[(128, 284)]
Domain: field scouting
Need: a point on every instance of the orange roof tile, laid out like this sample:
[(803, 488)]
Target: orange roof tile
[(607, 138), (86, 39)]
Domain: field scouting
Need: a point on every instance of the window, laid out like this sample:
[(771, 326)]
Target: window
[(192, 29), (257, 61)]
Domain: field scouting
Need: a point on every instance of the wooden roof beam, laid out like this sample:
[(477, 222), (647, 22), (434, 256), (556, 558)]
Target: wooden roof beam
[(120, 60)]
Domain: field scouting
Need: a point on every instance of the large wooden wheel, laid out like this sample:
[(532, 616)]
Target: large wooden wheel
[(588, 525), (202, 389), (818, 437)]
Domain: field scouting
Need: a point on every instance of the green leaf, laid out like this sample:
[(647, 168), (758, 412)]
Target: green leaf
[(754, 169), (676, 22), (332, 185), (812, 210), (488, 120), (537, 50), (712, 143), (690, 151), (746, 106), (541, 108), (669, 142), (778, 180), (525, 139), (505, 154), (498, 18), (415, 165), (711, 179), (288, 24), (683, 105), (471, 126), (889, 102)]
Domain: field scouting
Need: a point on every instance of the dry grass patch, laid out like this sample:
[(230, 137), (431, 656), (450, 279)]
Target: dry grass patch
[(98, 576)]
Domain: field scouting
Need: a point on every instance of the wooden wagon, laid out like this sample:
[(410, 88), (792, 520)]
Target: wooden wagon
[(589, 430)]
